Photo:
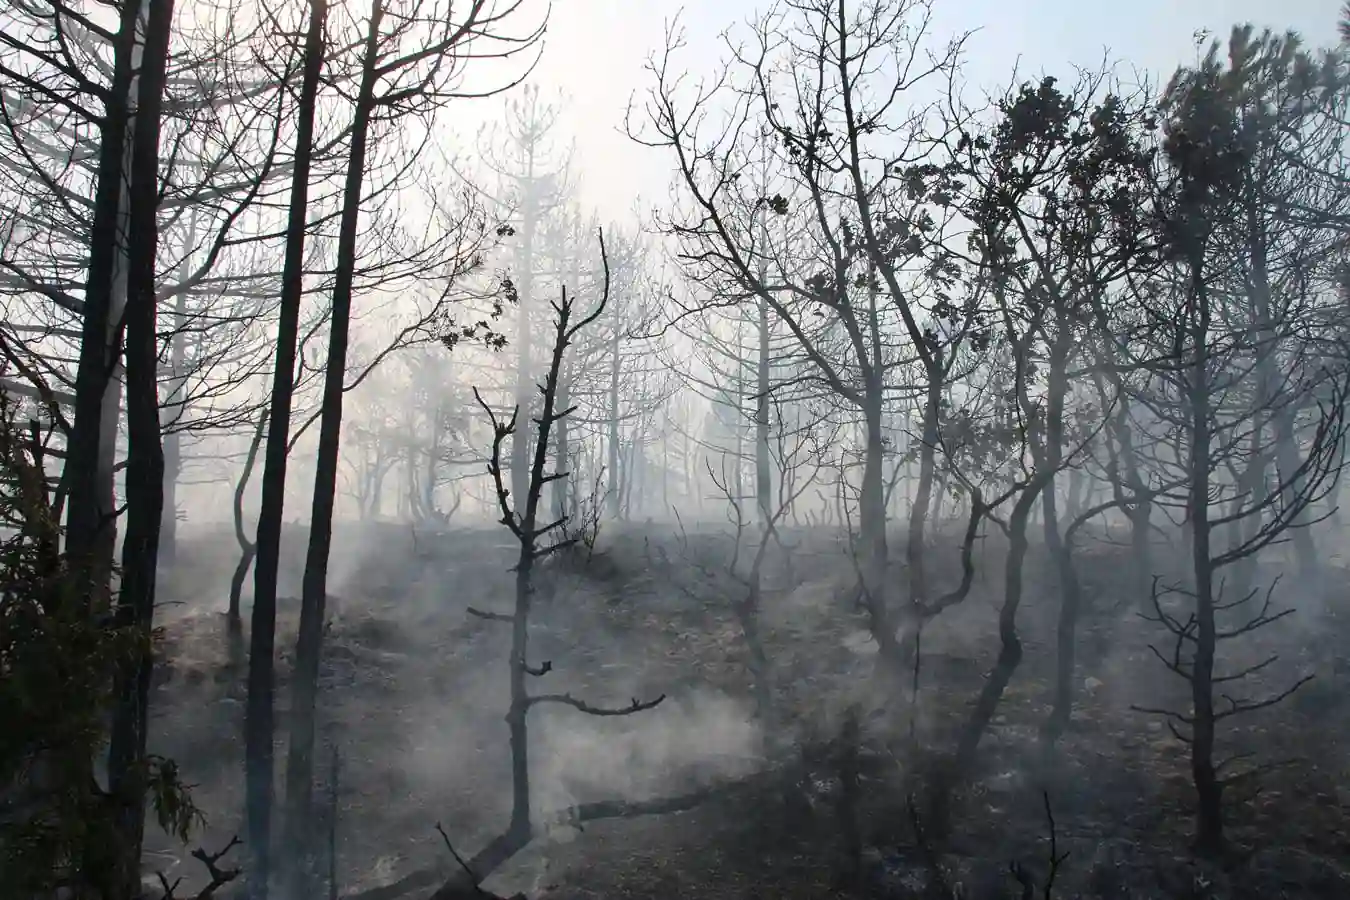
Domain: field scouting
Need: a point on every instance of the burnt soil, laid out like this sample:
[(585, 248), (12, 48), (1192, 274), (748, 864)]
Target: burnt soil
[(414, 692)]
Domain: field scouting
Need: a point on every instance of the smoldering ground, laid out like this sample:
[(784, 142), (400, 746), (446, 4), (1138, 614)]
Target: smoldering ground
[(414, 691)]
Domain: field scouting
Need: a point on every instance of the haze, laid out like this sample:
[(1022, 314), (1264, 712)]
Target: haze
[(626, 449)]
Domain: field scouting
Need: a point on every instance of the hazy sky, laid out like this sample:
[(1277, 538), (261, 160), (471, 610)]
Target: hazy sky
[(597, 48)]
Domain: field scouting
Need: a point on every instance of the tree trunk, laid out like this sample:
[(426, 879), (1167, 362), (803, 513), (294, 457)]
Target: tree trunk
[(562, 450), (314, 590), (612, 407), (1209, 836), (247, 549), (520, 442), (173, 441), (433, 455), (374, 504), (562, 458), (872, 512), (962, 762), (258, 727), (91, 516), (763, 459), (145, 467), (1286, 446), (923, 494), (1060, 550)]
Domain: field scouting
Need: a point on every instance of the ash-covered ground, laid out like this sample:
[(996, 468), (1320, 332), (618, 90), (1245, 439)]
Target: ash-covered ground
[(414, 693)]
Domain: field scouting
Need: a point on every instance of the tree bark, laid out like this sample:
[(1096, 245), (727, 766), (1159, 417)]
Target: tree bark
[(173, 441), (962, 761), (247, 549), (614, 480), (258, 719), (90, 525), (520, 442), (1061, 551), (1209, 808), (314, 589), (145, 467)]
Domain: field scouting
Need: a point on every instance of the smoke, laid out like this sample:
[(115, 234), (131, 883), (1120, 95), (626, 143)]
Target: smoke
[(685, 742)]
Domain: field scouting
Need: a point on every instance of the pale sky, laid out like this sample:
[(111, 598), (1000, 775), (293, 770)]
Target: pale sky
[(596, 50)]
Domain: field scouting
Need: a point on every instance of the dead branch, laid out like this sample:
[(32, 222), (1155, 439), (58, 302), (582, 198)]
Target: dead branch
[(636, 706), (219, 877)]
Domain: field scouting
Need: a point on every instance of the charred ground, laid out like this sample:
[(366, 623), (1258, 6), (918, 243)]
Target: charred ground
[(414, 692)]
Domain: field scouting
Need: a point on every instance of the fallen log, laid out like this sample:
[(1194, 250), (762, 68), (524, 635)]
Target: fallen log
[(463, 883)]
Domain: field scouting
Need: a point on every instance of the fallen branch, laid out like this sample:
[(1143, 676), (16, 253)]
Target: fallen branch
[(635, 706), (458, 885)]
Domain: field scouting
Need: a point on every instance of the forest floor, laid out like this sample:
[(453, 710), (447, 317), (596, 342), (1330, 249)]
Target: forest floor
[(414, 695)]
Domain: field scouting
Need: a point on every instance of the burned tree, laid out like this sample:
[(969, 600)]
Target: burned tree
[(258, 722), (401, 77), (856, 280), (739, 580), (1052, 191), (1213, 393), (538, 537)]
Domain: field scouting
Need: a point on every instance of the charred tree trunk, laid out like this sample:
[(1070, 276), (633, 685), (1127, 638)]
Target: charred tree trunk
[(763, 459), (962, 762), (91, 527), (1141, 507), (612, 413), (247, 548), (1127, 484), (127, 764), (433, 456), (1209, 808), (313, 599), (1060, 549), (923, 494), (562, 451), (173, 441), (1282, 416), (520, 443), (872, 511), (90, 524), (258, 728), (565, 487)]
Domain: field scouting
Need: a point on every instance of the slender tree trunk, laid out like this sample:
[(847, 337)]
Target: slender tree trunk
[(763, 459), (1141, 509), (258, 727), (563, 453), (314, 591), (91, 526), (173, 441), (247, 548), (962, 762), (1077, 494), (1288, 460), (433, 455), (1060, 549), (520, 442), (1209, 790), (614, 481), (1251, 485), (872, 512), (145, 469), (90, 507), (377, 485), (923, 493), (562, 449), (1286, 443)]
